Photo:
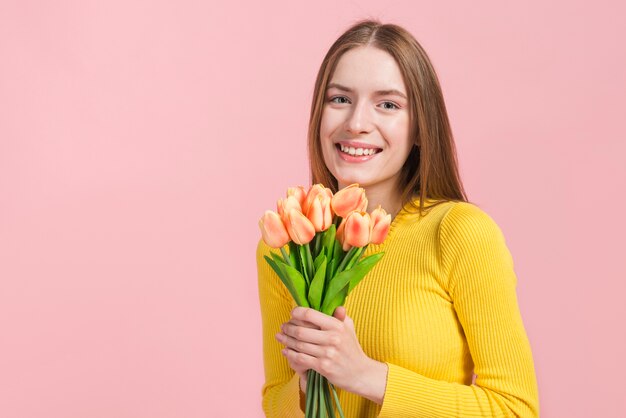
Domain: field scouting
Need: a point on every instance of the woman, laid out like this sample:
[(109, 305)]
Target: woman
[(440, 307)]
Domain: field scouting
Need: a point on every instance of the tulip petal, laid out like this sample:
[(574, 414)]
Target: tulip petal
[(273, 231), (300, 229)]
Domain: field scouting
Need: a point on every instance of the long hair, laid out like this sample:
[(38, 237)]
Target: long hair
[(431, 169)]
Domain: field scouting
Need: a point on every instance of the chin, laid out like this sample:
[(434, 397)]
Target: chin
[(350, 179)]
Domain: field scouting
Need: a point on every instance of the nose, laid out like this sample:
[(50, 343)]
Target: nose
[(359, 120)]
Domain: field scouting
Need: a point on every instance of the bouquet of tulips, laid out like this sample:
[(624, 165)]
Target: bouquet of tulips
[(326, 235)]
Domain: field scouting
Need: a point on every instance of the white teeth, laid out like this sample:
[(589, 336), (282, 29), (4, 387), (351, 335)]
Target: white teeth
[(357, 151)]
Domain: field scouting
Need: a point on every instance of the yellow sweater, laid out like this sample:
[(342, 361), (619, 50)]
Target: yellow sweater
[(439, 306)]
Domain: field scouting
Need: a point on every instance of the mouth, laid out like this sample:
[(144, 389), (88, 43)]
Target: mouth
[(357, 151)]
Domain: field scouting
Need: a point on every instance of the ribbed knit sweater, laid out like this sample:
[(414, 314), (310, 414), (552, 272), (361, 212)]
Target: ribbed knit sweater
[(439, 307)]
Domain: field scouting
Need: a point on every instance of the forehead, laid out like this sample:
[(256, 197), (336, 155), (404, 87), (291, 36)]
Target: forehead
[(368, 68)]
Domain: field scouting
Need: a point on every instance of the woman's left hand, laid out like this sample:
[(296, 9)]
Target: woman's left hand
[(329, 345)]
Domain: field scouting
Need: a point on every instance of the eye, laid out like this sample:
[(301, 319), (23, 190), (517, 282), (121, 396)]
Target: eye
[(395, 106), (332, 99)]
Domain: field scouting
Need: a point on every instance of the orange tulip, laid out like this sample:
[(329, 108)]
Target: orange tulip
[(348, 199), (273, 231), (320, 214), (299, 193), (284, 205), (316, 190), (300, 229), (357, 230), (381, 223)]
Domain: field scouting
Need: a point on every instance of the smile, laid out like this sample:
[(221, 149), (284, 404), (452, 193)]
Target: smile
[(357, 151), (352, 154)]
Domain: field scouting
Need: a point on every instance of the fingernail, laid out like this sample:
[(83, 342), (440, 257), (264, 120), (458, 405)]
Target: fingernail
[(284, 351)]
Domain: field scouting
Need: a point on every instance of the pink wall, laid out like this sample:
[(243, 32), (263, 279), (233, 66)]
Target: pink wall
[(138, 148)]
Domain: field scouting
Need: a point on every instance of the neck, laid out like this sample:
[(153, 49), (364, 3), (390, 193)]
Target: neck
[(384, 194)]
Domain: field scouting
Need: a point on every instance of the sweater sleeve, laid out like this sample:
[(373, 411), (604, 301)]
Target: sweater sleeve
[(281, 392), (479, 275)]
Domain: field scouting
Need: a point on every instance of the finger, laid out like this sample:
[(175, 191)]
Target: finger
[(299, 360), (315, 317), (303, 323), (300, 346), (340, 313), (309, 335)]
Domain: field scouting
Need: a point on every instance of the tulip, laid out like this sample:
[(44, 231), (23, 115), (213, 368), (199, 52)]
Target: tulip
[(316, 190), (348, 199), (381, 223), (273, 230), (284, 205), (357, 230), (300, 229), (320, 214), (299, 193)]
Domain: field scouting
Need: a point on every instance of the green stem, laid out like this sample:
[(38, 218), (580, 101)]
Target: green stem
[(303, 264), (339, 410), (322, 397), (317, 241), (315, 394), (355, 257), (328, 399), (309, 261), (346, 258), (310, 379), (286, 256)]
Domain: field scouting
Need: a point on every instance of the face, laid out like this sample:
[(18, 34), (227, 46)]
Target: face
[(364, 130)]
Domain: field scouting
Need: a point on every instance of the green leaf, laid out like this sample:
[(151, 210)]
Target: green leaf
[(282, 275), (299, 284), (337, 250), (330, 269), (328, 240), (354, 258), (347, 259), (329, 306), (318, 261), (346, 278), (355, 280), (303, 264), (317, 284), (293, 255), (278, 259)]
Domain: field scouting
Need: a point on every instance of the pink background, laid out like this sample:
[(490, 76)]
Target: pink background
[(140, 141)]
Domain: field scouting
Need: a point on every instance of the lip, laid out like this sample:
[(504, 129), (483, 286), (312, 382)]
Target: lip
[(354, 158), (357, 144)]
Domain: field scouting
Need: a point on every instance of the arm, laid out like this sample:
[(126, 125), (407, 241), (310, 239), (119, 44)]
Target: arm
[(481, 282), (281, 392)]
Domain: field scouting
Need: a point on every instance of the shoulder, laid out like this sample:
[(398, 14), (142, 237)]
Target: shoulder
[(471, 241), (468, 234), (466, 221)]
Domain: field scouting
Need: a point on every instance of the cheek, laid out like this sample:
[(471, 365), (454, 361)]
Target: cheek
[(397, 130), (332, 120)]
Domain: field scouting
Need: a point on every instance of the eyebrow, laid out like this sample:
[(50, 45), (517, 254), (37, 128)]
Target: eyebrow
[(379, 92)]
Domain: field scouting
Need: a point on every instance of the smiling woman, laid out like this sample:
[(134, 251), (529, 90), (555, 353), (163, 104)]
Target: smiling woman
[(441, 307), (372, 114)]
